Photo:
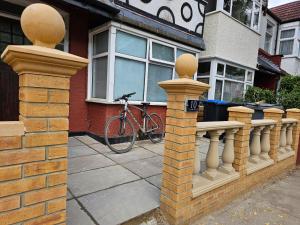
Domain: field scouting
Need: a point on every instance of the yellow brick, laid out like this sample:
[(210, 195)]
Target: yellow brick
[(22, 214), (9, 203), (22, 185), (176, 105), (33, 94), (57, 178), (57, 152), (44, 139), (33, 125), (21, 156), (45, 195), (44, 110), (32, 169), (10, 173), (58, 96), (30, 80), (10, 142), (58, 124), (55, 218), (57, 205)]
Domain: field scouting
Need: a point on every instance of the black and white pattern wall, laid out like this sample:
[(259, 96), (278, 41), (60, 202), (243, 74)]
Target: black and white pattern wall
[(186, 15)]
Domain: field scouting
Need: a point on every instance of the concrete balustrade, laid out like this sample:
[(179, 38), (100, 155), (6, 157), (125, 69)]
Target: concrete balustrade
[(286, 138)]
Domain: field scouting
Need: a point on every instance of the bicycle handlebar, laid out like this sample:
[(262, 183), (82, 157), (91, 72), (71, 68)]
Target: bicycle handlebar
[(125, 97)]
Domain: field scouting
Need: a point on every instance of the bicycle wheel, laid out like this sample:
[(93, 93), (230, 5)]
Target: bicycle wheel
[(154, 127), (119, 134)]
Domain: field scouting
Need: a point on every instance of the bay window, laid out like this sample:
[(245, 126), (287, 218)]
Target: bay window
[(127, 60), (246, 11), (229, 82), (287, 42)]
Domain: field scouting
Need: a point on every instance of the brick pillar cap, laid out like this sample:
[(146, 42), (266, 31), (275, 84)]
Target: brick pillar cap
[(241, 109), (273, 110), (186, 66), (184, 86), (295, 110)]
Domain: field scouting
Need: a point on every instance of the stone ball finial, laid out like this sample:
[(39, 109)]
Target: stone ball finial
[(43, 25), (186, 66)]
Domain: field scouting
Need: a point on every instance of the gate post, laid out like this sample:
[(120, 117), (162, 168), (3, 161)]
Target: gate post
[(41, 187), (177, 176)]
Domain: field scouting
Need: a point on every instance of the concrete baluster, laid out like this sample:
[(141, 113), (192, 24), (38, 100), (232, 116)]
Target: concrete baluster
[(255, 146), (282, 147), (265, 143), (212, 158), (228, 153), (197, 165), (289, 138)]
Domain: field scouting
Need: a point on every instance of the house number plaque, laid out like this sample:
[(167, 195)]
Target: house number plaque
[(192, 105)]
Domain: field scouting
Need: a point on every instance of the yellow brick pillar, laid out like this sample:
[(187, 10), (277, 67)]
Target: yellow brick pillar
[(176, 191), (44, 80), (295, 114), (274, 114), (242, 137)]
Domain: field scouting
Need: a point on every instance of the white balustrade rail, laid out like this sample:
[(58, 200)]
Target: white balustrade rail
[(215, 130)]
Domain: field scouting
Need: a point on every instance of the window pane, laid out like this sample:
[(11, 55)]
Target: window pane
[(218, 90), (268, 40), (129, 77), (235, 73), (249, 76), (286, 47), (99, 78), (287, 33), (206, 81), (156, 74), (204, 69), (100, 43), (256, 16), (242, 11), (227, 5), (220, 69), (233, 91), (270, 28), (162, 52), (181, 52), (129, 44)]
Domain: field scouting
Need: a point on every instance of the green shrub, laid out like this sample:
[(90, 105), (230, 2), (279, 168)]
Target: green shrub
[(289, 92), (256, 94)]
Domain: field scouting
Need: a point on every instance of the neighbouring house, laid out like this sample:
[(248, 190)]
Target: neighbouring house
[(231, 35), (131, 46)]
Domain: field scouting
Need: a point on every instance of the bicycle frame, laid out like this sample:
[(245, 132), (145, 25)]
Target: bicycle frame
[(144, 115)]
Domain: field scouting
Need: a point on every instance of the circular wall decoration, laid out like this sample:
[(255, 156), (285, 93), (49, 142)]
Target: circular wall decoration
[(146, 1), (202, 13), (186, 12), (199, 28), (166, 13)]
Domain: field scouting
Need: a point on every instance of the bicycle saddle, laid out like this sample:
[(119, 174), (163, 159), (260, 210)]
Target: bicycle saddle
[(145, 103)]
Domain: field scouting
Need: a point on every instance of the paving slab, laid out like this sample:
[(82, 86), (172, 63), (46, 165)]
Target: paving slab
[(101, 148), (99, 179), (76, 215), (146, 167), (87, 139), (74, 142), (155, 180), (83, 163), (83, 150), (134, 154), (156, 148), (122, 203)]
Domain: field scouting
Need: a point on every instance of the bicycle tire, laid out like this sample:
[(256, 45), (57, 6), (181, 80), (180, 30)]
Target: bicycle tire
[(155, 137), (114, 141)]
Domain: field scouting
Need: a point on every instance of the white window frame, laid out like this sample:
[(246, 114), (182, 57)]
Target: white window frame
[(271, 34), (214, 77), (112, 28), (287, 39), (254, 2)]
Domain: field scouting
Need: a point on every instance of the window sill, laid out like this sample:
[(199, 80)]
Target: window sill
[(106, 102)]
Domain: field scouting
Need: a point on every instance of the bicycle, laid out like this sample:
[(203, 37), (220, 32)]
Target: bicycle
[(120, 133)]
